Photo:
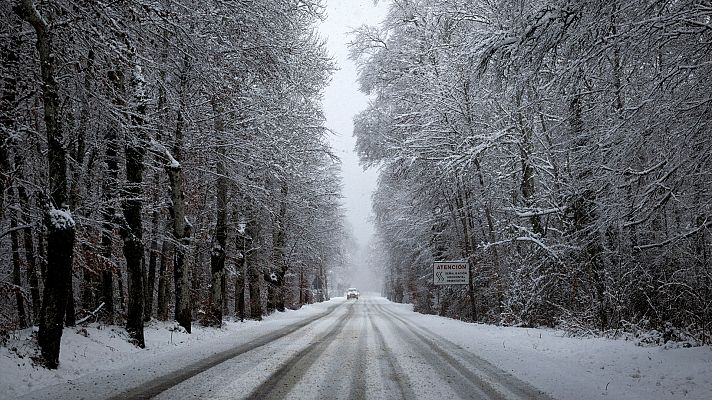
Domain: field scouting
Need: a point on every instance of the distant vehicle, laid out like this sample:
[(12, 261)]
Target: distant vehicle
[(352, 293)]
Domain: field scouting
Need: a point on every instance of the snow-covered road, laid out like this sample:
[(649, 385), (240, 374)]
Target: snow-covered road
[(361, 350)]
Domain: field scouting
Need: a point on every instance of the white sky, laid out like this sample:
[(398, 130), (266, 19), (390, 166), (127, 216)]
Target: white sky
[(342, 101)]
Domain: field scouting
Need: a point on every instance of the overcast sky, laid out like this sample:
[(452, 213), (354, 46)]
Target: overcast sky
[(342, 101)]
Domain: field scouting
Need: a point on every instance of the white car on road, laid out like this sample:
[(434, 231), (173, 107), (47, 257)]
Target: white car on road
[(352, 293)]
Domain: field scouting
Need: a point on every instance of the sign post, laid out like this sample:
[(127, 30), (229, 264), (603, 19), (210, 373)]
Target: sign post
[(451, 273)]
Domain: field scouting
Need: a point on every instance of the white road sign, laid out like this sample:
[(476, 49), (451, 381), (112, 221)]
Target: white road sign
[(451, 273)]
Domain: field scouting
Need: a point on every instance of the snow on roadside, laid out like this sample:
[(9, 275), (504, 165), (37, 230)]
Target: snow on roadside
[(96, 349), (580, 368)]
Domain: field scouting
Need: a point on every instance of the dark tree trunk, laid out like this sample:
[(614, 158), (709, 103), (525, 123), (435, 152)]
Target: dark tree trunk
[(271, 298), (181, 227), (279, 258), (88, 289), (16, 273), (181, 233), (182, 283), (70, 316), (29, 244), (255, 300), (527, 185), (133, 252), (240, 281), (301, 286), (89, 278), (108, 194), (240, 245), (32, 279), (240, 292), (217, 255), (107, 291), (42, 260), (254, 278), (60, 226), (60, 243), (132, 228), (162, 296), (223, 288), (122, 291), (161, 301), (152, 253), (196, 283), (152, 262)]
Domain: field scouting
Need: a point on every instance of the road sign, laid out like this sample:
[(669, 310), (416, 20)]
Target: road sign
[(451, 273)]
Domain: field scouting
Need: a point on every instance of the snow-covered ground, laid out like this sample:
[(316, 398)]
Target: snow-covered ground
[(95, 351), (581, 368), (565, 367)]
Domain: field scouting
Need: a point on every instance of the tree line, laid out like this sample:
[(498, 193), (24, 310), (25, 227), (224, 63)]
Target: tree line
[(163, 159), (563, 149)]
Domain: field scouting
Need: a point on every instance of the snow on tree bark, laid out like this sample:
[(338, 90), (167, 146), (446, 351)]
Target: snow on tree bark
[(132, 226), (60, 225)]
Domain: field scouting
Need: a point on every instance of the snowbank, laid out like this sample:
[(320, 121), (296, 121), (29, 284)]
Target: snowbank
[(581, 368), (95, 350)]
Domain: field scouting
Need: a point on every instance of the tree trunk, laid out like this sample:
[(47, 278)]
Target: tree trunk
[(162, 109), (254, 278), (70, 316), (88, 286), (108, 195), (60, 225), (181, 227), (301, 286), (201, 295), (132, 229), (240, 279), (182, 281), (60, 243), (181, 231), (162, 296), (152, 252), (255, 296), (217, 255), (527, 185), (152, 261), (32, 279), (16, 273), (279, 258), (271, 298)]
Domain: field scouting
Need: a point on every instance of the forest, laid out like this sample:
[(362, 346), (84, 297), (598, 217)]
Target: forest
[(562, 148), (163, 159)]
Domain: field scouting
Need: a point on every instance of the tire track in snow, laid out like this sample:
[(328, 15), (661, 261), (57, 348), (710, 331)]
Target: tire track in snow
[(459, 377), (492, 380), (278, 385), (391, 369), (358, 372), (154, 387)]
